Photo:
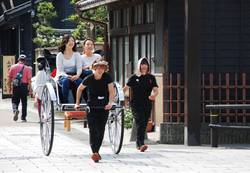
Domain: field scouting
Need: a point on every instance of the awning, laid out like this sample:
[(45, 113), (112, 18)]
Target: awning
[(17, 11), (84, 5)]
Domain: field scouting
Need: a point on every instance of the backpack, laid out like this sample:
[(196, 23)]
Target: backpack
[(18, 79)]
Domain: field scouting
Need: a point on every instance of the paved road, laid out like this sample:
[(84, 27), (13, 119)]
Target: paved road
[(20, 151)]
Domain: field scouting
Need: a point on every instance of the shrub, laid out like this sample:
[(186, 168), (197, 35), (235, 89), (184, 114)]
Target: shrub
[(128, 119)]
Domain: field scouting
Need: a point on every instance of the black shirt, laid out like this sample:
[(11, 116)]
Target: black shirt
[(98, 89), (141, 88)]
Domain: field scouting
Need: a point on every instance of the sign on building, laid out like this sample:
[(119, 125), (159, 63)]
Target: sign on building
[(8, 61)]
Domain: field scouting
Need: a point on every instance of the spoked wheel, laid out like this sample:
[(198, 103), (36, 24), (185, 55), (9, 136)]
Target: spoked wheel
[(116, 124), (46, 121)]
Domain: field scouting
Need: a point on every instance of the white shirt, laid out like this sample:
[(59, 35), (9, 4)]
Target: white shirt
[(89, 60), (72, 65), (40, 80)]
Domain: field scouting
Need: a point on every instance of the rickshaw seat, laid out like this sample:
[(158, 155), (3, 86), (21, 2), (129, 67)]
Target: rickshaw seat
[(68, 115)]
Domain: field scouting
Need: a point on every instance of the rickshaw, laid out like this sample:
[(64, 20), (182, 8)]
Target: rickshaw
[(50, 102)]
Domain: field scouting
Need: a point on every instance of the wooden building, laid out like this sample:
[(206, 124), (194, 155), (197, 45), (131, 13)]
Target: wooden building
[(161, 30)]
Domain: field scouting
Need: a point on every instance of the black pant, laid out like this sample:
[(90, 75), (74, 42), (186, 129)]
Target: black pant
[(20, 92), (97, 120), (141, 116)]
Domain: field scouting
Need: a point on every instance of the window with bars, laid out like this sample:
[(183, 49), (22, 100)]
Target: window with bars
[(120, 54), (142, 14), (150, 13), (125, 17), (116, 19), (138, 17)]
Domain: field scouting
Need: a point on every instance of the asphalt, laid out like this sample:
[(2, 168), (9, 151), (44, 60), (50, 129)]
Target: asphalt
[(20, 151)]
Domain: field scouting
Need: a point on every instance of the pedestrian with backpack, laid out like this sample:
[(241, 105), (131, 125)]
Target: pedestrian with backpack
[(21, 75)]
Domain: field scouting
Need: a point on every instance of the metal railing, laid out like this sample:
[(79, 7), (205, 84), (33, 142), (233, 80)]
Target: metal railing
[(214, 120)]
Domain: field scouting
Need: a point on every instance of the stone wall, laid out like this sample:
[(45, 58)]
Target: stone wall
[(173, 133)]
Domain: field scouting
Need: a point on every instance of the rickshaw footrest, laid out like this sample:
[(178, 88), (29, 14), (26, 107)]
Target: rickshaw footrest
[(69, 115)]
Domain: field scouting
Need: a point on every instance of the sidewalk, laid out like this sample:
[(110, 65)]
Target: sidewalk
[(153, 137), (20, 151)]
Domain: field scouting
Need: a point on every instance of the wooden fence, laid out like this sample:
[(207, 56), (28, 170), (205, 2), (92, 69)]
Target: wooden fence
[(221, 89)]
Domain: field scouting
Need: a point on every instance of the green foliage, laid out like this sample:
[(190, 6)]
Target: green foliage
[(99, 39), (78, 32), (46, 34), (128, 119), (45, 13), (73, 18), (98, 14), (74, 1)]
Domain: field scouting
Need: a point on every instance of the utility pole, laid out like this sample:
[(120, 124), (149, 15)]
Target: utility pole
[(32, 15)]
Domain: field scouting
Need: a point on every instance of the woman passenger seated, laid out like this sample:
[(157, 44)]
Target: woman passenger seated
[(69, 66), (88, 58)]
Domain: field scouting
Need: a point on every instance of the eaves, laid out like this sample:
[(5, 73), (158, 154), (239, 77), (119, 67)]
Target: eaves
[(17, 11), (85, 5)]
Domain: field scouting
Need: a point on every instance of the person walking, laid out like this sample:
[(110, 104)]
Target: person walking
[(101, 94), (20, 92), (69, 66), (142, 84)]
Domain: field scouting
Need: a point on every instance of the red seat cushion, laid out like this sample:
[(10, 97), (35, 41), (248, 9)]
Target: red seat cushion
[(75, 114), (53, 74)]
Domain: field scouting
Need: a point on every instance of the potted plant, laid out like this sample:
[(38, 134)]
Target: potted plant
[(150, 125)]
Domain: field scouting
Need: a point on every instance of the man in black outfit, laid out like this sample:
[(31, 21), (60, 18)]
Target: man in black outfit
[(142, 84), (101, 94)]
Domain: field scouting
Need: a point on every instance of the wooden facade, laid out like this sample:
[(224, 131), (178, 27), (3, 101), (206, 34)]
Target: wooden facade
[(224, 55), (224, 48), (132, 34)]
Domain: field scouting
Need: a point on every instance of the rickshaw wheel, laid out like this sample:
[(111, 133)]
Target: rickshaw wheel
[(116, 124), (46, 121)]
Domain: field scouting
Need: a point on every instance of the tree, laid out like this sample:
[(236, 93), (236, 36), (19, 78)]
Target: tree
[(96, 32), (46, 34)]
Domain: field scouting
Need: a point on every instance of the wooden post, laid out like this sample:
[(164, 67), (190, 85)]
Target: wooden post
[(192, 135)]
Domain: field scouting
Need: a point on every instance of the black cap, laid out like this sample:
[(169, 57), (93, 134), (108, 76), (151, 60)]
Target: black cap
[(40, 58)]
